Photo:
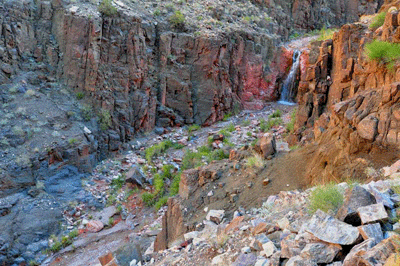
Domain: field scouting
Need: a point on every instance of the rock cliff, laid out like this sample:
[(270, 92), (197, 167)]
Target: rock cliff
[(349, 103)]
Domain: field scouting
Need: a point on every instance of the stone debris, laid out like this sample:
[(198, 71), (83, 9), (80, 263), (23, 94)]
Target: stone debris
[(372, 213), (331, 230), (371, 231), (215, 216)]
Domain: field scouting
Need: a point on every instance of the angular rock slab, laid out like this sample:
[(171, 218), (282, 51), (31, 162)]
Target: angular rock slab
[(372, 213), (320, 252), (357, 251), (379, 254), (354, 198), (299, 261), (331, 230), (371, 231), (215, 215), (245, 260)]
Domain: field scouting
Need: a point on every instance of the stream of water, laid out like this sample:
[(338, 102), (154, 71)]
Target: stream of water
[(288, 89)]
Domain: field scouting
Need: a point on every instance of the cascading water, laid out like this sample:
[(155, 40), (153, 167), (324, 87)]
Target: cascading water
[(288, 88)]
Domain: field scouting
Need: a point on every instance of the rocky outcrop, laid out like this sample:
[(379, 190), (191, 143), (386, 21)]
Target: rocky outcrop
[(348, 103), (173, 226)]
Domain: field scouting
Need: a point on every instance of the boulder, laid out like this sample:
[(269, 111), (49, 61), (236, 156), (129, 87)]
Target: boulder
[(372, 213), (356, 252), (371, 231), (320, 252), (368, 127), (381, 252), (189, 183), (220, 260), (269, 249), (94, 226), (331, 230), (135, 176), (104, 215), (267, 145), (299, 261), (215, 216), (173, 226), (248, 259), (354, 198)]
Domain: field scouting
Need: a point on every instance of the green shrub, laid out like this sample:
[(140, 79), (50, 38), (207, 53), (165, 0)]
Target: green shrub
[(118, 182), (381, 51), (110, 221), (148, 199), (290, 125), (56, 246), (157, 12), (230, 127), (177, 19), (74, 233), (192, 128), (378, 21), (87, 112), (80, 95), (66, 241), (167, 170), (191, 160), (104, 119), (325, 34), (178, 146), (72, 141), (227, 116), (255, 161), (107, 9), (249, 134), (246, 123), (174, 189), (225, 132), (161, 202), (158, 183), (277, 113), (327, 198), (157, 149)]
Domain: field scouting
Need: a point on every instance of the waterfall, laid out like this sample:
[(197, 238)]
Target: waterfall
[(288, 88)]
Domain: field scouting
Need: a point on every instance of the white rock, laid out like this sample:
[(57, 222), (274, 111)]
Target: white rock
[(133, 262), (269, 249), (246, 250), (86, 130), (372, 213), (210, 194), (191, 235), (215, 215)]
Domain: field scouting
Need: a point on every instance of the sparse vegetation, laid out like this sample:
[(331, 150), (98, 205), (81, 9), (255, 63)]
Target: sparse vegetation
[(325, 34), (384, 52), (255, 161), (267, 125), (246, 123), (80, 95), (327, 198), (227, 116), (277, 113), (87, 112), (148, 199), (230, 127), (72, 141), (177, 19), (107, 9), (157, 149), (118, 182), (192, 128), (290, 125), (104, 119), (161, 202), (377, 21)]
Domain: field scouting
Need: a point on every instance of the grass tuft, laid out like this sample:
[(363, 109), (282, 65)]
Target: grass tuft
[(377, 21), (326, 198)]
